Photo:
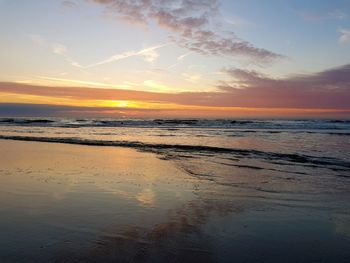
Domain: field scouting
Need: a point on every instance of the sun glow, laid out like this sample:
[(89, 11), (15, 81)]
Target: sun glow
[(121, 103), (157, 108)]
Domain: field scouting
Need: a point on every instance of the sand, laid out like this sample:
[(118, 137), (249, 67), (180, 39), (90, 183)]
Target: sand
[(65, 201), (75, 203)]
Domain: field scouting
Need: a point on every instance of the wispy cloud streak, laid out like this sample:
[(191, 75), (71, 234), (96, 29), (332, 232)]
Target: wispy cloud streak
[(149, 55), (331, 15), (61, 50), (345, 36), (84, 82)]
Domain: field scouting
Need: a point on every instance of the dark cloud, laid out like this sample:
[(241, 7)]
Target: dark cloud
[(35, 110), (191, 20), (29, 110)]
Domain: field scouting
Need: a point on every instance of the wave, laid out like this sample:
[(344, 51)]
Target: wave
[(176, 122), (331, 163), (246, 125), (25, 121), (340, 121)]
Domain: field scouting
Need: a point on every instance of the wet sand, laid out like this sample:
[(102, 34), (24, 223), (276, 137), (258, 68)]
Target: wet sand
[(75, 203)]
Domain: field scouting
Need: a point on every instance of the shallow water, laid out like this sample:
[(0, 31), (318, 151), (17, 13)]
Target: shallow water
[(222, 191)]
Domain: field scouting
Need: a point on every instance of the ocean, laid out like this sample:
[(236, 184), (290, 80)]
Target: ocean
[(296, 149), (290, 178)]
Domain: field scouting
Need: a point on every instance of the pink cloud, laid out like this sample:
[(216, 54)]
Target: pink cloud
[(329, 89)]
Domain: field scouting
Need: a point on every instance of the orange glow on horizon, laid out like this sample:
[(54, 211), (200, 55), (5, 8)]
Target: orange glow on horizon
[(140, 108)]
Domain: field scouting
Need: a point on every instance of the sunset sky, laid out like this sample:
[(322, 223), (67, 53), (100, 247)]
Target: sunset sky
[(175, 58)]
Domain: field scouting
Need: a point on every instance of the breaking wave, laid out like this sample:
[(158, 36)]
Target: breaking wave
[(247, 125)]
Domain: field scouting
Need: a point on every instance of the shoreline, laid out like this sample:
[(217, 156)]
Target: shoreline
[(302, 159)]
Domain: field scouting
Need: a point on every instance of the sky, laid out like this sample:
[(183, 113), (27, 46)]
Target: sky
[(175, 58)]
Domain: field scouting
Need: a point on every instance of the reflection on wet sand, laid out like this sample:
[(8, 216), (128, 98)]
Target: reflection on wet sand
[(179, 239), (61, 196), (108, 204)]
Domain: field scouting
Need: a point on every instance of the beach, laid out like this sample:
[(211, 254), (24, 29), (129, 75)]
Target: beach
[(61, 202), (182, 131)]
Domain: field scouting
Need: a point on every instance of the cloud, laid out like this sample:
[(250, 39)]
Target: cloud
[(194, 78), (45, 110), (69, 5), (191, 21), (57, 48), (345, 36), (61, 50), (332, 15), (149, 54), (329, 89), (238, 22), (155, 85), (325, 89), (84, 82), (37, 39), (179, 58)]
